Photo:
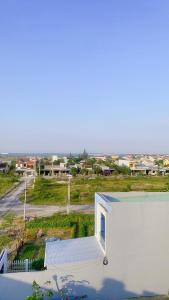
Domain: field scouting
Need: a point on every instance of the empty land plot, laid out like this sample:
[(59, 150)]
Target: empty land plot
[(54, 192), (6, 182), (59, 225)]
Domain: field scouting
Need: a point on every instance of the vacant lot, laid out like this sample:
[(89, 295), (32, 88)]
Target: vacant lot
[(53, 191), (29, 242), (6, 182), (59, 225)]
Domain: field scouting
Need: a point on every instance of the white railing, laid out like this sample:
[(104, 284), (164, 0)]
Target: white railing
[(20, 265), (3, 261)]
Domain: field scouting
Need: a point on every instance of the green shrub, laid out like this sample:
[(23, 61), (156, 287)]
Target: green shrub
[(83, 230), (38, 264), (39, 293)]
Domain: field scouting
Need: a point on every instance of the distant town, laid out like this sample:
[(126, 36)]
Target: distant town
[(84, 164)]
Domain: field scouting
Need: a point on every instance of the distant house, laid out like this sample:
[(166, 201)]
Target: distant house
[(166, 162), (129, 254), (25, 163), (106, 170), (26, 166), (126, 163), (103, 157), (144, 170), (55, 157), (4, 167), (54, 170)]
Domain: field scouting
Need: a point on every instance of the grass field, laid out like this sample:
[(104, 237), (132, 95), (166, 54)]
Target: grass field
[(4, 241), (6, 182), (59, 225), (53, 191), (32, 249)]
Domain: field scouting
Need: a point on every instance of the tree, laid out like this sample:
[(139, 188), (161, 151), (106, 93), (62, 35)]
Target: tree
[(122, 169), (73, 160), (12, 166), (90, 162), (84, 171), (97, 170), (108, 162), (58, 161), (73, 171), (100, 162), (159, 163)]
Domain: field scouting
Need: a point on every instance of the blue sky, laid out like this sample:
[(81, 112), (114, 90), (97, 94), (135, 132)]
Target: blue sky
[(91, 74)]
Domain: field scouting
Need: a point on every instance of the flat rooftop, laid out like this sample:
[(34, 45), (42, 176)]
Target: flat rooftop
[(134, 196), (72, 251)]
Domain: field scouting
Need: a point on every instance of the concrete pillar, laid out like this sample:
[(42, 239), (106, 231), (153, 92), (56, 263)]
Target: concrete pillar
[(26, 265)]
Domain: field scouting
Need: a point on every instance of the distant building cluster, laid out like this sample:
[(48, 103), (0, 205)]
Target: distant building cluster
[(86, 164)]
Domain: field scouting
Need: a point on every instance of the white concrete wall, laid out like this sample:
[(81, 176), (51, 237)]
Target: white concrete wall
[(123, 162), (138, 247), (79, 279)]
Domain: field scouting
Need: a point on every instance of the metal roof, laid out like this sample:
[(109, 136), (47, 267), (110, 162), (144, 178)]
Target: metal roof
[(72, 251)]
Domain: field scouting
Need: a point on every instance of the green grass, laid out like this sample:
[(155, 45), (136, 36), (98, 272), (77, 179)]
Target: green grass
[(6, 182), (51, 192), (75, 225), (47, 191), (32, 250), (81, 224), (4, 241)]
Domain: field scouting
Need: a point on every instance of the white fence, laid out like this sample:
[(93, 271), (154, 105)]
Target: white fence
[(20, 266), (16, 265), (3, 261)]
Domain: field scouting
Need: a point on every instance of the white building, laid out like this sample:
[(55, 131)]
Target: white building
[(125, 163), (129, 254), (54, 157), (127, 257)]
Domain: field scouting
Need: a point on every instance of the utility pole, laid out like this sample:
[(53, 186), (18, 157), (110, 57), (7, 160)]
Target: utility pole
[(24, 208), (33, 182), (52, 169), (39, 167), (68, 196)]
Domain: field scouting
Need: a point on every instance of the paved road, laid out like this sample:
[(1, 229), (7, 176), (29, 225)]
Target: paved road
[(11, 203), (11, 200)]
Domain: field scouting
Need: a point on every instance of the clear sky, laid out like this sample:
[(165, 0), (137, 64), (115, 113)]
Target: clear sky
[(82, 73)]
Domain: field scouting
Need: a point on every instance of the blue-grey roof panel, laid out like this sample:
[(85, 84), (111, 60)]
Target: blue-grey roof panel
[(71, 251)]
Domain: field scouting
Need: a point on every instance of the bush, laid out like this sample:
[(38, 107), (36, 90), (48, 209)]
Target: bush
[(38, 264), (83, 230)]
